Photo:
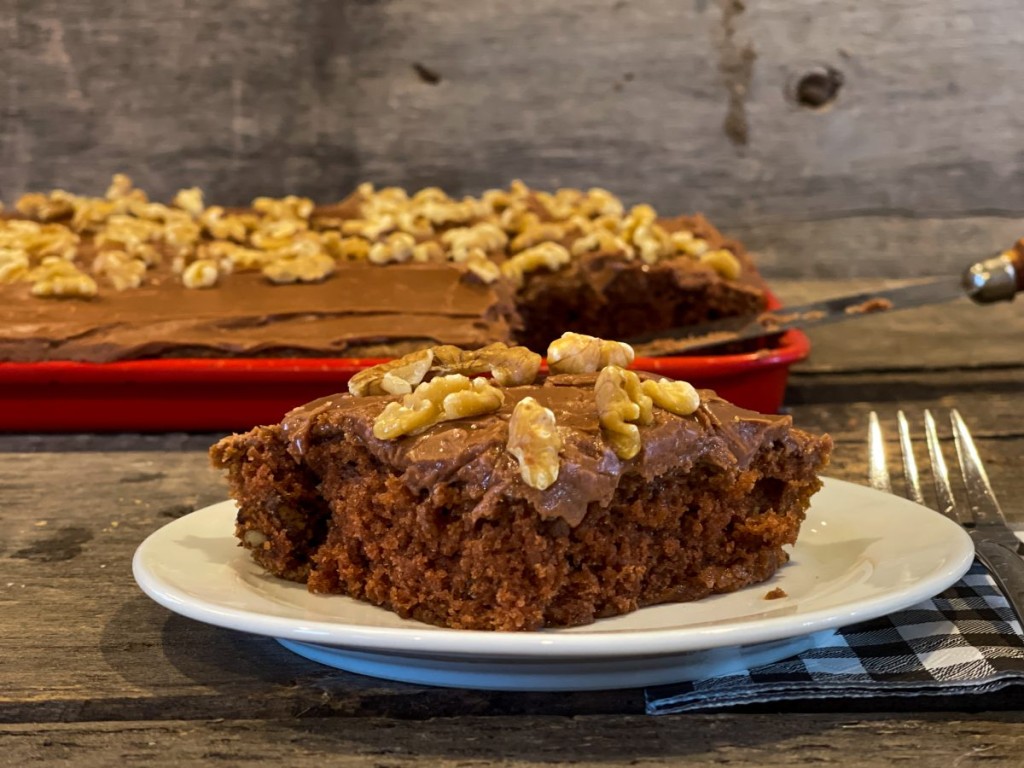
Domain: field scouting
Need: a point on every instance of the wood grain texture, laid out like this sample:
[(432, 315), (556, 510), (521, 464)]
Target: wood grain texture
[(959, 335), (883, 246), (587, 742), (682, 104)]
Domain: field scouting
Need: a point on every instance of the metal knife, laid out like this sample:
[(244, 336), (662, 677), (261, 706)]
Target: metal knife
[(986, 282)]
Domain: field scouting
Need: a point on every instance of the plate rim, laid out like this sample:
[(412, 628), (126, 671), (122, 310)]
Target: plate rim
[(553, 644)]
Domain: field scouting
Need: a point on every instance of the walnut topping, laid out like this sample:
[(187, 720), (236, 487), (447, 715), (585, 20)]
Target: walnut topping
[(276, 233), (120, 269), (603, 241), (44, 207), (290, 207), (534, 440), (678, 397), (600, 202), (621, 405), (688, 243), (345, 248), (506, 233), (369, 230), (440, 212), (510, 366), (551, 256), (482, 397), (223, 226), (429, 251), (126, 232), (396, 249), (233, 257), (623, 401), (37, 241), (723, 261), (579, 353), (485, 237), (310, 267), (640, 228), (122, 188), (444, 398), (409, 369), (518, 218), (57, 278), (391, 209), (537, 234), (14, 265), (560, 205), (481, 267), (201, 273), (190, 200)]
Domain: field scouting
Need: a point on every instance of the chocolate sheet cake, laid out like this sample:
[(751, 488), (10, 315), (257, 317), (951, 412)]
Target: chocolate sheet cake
[(380, 273), (517, 502)]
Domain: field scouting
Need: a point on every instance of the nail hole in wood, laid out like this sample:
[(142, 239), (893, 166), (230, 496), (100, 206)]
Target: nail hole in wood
[(427, 75), (818, 88)]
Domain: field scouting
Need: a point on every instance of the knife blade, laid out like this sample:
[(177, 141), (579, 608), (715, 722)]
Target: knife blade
[(996, 279)]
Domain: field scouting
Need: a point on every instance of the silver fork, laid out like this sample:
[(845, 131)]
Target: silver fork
[(995, 545)]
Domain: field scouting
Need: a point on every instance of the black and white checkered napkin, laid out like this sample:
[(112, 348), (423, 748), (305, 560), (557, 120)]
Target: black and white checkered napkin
[(965, 640)]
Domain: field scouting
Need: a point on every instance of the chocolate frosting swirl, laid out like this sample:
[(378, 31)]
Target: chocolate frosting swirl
[(473, 450)]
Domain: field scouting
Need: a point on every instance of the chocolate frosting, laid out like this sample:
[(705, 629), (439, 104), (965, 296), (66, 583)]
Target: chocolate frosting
[(473, 450), (246, 315), (362, 310)]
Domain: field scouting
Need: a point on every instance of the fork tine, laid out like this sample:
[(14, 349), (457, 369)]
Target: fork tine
[(980, 496), (913, 489), (943, 488), (878, 472)]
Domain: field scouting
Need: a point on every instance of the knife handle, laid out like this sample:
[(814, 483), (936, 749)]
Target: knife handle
[(1016, 256), (1007, 569), (995, 279)]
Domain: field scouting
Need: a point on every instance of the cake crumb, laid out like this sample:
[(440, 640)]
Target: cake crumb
[(877, 304), (776, 593)]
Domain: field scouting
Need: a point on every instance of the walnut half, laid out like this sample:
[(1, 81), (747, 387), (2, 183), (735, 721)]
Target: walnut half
[(395, 377), (678, 397), (510, 366), (550, 256), (621, 405), (442, 399), (579, 353), (534, 440), (623, 401), (57, 278)]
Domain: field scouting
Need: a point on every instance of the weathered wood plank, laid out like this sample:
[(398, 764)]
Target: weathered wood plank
[(728, 740), (682, 104), (958, 335), (875, 246)]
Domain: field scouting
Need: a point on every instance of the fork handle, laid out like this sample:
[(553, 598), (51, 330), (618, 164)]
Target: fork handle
[(1007, 569)]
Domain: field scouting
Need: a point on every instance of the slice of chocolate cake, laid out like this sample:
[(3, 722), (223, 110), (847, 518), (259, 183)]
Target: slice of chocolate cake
[(509, 503)]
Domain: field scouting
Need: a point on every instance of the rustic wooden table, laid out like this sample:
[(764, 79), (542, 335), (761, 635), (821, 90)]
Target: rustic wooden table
[(95, 673)]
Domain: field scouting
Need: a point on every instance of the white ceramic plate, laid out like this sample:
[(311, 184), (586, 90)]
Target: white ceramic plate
[(861, 554)]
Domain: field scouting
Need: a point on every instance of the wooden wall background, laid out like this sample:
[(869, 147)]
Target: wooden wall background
[(841, 138)]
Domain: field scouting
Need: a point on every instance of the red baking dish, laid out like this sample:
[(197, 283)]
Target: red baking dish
[(218, 395)]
